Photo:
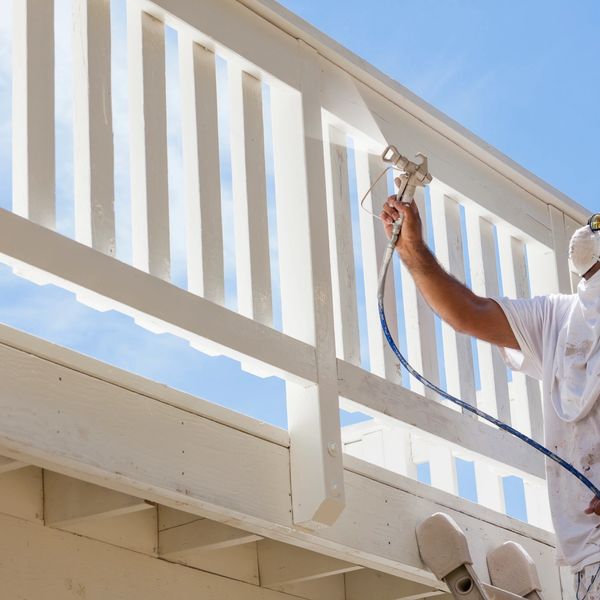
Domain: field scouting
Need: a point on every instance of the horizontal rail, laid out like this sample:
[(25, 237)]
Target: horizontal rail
[(133, 292)]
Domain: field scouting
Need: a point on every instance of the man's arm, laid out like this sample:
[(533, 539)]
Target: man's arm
[(455, 303)]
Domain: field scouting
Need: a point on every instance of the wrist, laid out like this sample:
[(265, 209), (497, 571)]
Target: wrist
[(413, 254)]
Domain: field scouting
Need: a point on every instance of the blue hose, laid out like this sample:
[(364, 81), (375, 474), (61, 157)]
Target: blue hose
[(563, 463)]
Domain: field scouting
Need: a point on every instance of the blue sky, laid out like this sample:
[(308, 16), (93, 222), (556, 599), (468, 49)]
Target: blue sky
[(521, 75)]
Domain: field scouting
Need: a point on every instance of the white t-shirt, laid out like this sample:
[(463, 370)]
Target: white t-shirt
[(537, 324)]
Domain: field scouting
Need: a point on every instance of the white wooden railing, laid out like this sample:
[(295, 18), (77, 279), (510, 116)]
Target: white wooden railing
[(329, 116)]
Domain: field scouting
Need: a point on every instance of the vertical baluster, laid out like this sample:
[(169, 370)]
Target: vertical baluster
[(484, 278), (148, 145), (373, 243), (561, 250), (443, 468), (307, 311), (397, 452), (345, 308), (253, 270), (537, 504), (202, 182), (419, 323), (570, 227), (526, 409), (33, 111), (92, 124), (490, 491), (458, 357)]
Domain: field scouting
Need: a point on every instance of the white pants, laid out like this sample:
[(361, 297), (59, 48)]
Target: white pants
[(587, 583)]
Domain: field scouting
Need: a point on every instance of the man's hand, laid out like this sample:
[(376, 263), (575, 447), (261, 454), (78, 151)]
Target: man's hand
[(411, 235), (594, 507)]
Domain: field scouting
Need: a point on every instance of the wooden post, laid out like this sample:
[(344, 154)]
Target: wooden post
[(306, 295)]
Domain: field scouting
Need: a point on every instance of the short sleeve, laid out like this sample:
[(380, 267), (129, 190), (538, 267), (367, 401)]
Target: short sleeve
[(526, 319)]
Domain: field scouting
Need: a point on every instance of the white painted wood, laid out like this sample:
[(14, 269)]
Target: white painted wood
[(537, 504), (343, 272), (490, 492), (8, 465), (306, 296), (561, 250), (68, 501), (373, 242), (138, 294), (442, 468), (327, 588), (201, 168), (458, 357), (93, 152), (201, 535), (493, 397), (67, 565), (382, 399), (220, 480), (419, 323), (253, 271), (33, 111), (22, 494), (148, 142), (526, 401), (281, 564), (381, 586)]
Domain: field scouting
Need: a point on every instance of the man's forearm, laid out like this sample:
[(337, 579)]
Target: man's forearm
[(448, 297)]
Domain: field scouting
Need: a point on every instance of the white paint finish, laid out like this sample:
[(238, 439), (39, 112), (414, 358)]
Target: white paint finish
[(193, 459), (22, 494), (490, 492), (327, 588), (458, 357), (419, 323), (171, 517), (201, 535), (526, 401), (343, 273), (380, 586), (442, 468), (373, 243), (280, 564), (561, 250), (69, 501), (135, 531), (368, 393), (148, 142), (493, 396), (33, 160), (201, 170), (191, 404), (8, 464), (73, 266), (570, 227), (236, 562), (306, 296), (93, 153), (67, 565), (537, 504), (249, 190), (389, 509)]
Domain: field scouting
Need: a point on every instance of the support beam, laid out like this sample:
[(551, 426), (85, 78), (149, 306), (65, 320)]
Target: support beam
[(375, 585), (201, 535), (70, 501), (281, 564)]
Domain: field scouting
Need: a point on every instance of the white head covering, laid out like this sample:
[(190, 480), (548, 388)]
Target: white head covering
[(584, 249), (577, 360)]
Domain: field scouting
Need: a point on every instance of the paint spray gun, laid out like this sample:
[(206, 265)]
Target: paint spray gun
[(411, 175)]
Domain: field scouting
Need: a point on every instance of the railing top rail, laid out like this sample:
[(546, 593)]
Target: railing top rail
[(393, 91)]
